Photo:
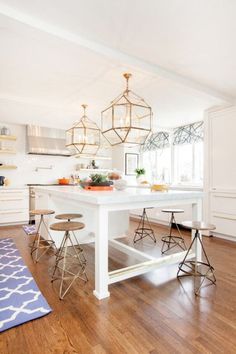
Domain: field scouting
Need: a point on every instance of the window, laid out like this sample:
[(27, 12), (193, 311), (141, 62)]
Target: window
[(183, 161), (188, 163), (157, 164), (188, 154), (181, 150), (156, 158)]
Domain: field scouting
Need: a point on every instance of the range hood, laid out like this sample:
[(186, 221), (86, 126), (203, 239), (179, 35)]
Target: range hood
[(46, 141)]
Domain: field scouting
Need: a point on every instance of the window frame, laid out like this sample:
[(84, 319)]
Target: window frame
[(193, 182), (173, 179)]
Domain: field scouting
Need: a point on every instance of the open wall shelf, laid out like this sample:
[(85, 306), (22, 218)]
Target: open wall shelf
[(94, 170), (7, 137), (7, 151), (8, 167)]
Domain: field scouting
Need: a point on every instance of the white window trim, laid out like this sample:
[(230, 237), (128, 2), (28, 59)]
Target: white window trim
[(174, 184)]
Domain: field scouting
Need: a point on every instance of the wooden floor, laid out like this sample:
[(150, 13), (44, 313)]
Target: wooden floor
[(154, 313)]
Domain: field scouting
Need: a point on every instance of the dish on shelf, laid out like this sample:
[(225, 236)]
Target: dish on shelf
[(7, 167), (7, 137)]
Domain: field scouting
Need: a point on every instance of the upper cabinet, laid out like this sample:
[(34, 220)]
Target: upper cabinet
[(220, 170), (222, 148)]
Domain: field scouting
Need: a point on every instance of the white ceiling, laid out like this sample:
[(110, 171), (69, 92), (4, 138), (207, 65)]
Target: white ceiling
[(57, 54)]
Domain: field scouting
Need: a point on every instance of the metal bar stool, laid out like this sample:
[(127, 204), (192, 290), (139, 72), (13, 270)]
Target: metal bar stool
[(72, 268), (170, 241), (197, 268), (69, 217), (40, 243), (144, 228)]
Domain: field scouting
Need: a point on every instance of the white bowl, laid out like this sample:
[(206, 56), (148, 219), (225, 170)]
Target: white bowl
[(120, 184)]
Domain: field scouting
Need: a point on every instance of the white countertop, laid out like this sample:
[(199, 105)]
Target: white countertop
[(172, 187), (114, 197)]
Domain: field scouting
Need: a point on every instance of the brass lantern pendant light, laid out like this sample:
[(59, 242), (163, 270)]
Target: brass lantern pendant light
[(84, 136), (128, 119)]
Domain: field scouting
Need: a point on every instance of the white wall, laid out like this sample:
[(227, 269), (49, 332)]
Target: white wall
[(26, 164), (118, 160)]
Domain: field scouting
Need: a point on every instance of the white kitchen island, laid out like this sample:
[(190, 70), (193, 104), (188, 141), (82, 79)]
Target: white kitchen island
[(99, 207)]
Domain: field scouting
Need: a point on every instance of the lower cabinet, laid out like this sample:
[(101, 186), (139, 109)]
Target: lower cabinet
[(14, 206), (223, 212), (220, 170)]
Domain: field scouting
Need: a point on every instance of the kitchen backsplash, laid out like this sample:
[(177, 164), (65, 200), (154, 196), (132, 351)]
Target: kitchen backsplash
[(27, 165)]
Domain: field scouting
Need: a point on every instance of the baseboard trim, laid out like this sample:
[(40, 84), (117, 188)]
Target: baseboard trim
[(224, 237), (152, 221), (164, 223)]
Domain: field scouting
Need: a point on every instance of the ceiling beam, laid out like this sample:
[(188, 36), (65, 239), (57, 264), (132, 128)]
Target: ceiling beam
[(110, 53)]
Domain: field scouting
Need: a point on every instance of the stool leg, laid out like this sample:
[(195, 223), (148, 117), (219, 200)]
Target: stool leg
[(138, 228), (193, 266), (184, 247), (149, 225), (81, 264), (81, 251), (35, 245), (171, 240), (64, 265), (169, 237), (64, 270), (142, 231), (38, 239), (210, 268), (35, 237), (59, 256), (185, 257), (62, 255), (49, 234), (83, 260)]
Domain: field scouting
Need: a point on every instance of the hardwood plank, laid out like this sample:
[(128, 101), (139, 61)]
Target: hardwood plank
[(152, 313)]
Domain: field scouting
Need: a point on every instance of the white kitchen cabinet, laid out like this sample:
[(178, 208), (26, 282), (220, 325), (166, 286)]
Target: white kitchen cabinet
[(220, 171), (14, 205)]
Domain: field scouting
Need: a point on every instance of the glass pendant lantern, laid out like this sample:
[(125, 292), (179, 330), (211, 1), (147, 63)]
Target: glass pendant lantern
[(128, 119), (84, 136)]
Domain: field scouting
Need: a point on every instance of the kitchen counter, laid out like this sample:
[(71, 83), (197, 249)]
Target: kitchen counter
[(106, 215), (171, 187), (13, 187), (138, 195)]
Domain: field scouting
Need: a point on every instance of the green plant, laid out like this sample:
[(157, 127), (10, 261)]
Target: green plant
[(140, 171), (98, 178)]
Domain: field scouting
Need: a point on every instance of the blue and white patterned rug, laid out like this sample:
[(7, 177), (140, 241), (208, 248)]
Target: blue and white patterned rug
[(29, 229), (20, 298)]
